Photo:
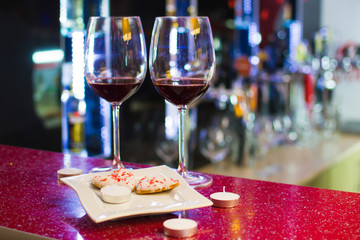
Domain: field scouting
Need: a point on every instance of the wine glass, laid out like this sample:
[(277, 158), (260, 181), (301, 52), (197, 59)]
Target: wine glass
[(115, 65), (182, 65), (216, 141)]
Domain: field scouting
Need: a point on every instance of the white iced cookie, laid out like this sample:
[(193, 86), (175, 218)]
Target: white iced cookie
[(121, 177), (154, 184)]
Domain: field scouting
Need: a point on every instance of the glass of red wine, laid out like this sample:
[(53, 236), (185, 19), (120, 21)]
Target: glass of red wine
[(115, 66), (182, 66)]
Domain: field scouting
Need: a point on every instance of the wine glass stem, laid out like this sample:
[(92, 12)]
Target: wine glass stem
[(182, 143), (116, 164)]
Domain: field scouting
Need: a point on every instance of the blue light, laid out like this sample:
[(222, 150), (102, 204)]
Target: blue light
[(78, 65), (247, 7)]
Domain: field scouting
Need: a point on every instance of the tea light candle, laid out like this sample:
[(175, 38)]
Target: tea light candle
[(68, 172), (115, 194), (225, 199), (180, 227)]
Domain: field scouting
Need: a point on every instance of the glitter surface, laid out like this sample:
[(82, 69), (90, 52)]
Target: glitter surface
[(32, 200)]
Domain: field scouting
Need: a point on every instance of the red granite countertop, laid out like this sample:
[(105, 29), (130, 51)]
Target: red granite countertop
[(33, 201)]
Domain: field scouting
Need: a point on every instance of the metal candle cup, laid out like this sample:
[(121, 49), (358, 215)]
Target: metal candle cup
[(115, 194), (180, 227), (68, 172), (225, 199)]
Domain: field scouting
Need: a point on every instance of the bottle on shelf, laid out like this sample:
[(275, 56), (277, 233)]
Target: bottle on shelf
[(86, 118), (73, 123)]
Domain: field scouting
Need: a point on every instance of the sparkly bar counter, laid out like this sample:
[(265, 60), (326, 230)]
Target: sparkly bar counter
[(32, 201)]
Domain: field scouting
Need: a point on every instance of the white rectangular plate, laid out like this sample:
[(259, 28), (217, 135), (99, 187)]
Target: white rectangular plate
[(182, 197)]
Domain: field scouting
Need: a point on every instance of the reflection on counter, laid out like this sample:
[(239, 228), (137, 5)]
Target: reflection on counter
[(332, 164)]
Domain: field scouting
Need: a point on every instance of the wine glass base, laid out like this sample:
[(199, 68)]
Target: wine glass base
[(99, 169), (107, 169), (197, 180)]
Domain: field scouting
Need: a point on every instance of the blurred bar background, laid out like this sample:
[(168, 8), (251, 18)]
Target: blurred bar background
[(287, 83)]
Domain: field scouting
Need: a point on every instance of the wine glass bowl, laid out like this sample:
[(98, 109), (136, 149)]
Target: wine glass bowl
[(115, 65), (216, 140), (182, 66)]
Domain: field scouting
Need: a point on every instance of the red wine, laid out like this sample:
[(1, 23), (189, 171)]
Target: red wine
[(115, 90), (181, 91)]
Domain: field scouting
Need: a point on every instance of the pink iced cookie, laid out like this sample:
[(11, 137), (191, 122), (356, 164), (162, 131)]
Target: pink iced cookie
[(154, 184), (121, 177)]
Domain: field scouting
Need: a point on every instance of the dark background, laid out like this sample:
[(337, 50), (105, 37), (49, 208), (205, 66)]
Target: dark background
[(30, 25)]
